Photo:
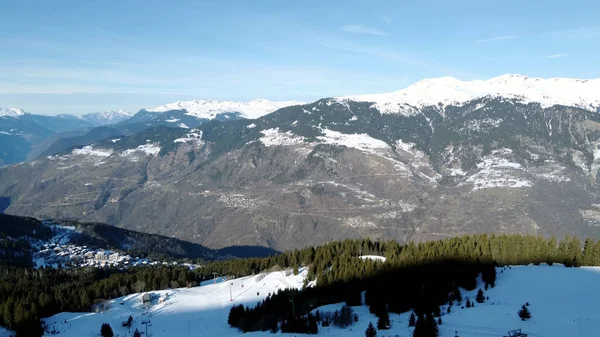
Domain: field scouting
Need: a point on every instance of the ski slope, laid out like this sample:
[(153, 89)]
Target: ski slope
[(563, 302)]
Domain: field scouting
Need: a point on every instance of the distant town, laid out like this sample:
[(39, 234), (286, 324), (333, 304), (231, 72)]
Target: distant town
[(68, 255), (59, 252)]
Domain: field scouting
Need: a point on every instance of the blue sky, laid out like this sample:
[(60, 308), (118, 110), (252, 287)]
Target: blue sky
[(83, 56)]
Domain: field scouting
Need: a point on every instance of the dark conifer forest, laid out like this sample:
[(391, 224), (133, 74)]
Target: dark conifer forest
[(418, 277)]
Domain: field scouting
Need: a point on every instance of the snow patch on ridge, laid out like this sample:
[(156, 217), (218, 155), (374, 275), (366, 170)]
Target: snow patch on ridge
[(358, 141), (89, 150), (194, 135), (149, 149), (274, 137)]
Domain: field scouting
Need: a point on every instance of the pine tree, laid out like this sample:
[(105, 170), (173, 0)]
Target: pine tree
[(468, 303), (383, 323), (439, 322), (457, 295), (313, 327), (412, 319), (136, 333), (480, 296), (106, 330), (426, 326), (524, 313), (295, 269), (370, 332)]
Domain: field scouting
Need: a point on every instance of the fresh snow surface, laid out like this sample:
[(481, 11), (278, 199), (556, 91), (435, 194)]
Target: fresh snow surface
[(448, 90), (89, 150), (202, 309), (209, 109), (149, 149), (11, 112), (194, 135), (563, 302), (373, 257), (274, 137), (358, 141), (251, 126)]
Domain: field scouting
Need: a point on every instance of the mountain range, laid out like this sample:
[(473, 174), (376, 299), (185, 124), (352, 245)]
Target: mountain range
[(441, 157), (26, 136)]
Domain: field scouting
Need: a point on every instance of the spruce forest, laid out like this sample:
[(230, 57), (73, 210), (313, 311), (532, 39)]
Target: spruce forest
[(424, 276)]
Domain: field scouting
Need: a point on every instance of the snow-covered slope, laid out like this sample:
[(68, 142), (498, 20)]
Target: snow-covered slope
[(448, 90), (209, 109), (107, 117), (203, 310), (562, 302), (11, 112)]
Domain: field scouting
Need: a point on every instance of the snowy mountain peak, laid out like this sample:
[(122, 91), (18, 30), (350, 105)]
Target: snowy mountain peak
[(107, 117), (11, 112), (444, 91), (210, 108)]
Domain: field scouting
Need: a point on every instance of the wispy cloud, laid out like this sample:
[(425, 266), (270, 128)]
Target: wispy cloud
[(386, 19), (497, 38), (553, 56), (360, 29)]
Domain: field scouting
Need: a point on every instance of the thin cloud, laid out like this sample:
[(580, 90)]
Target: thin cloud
[(553, 56), (360, 29), (497, 38), (386, 19)]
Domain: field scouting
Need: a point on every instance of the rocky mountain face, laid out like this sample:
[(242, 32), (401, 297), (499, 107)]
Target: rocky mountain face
[(334, 169)]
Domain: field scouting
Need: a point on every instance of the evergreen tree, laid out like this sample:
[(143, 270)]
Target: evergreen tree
[(426, 326), (412, 319), (524, 313), (313, 327), (480, 296), (468, 303), (439, 322), (383, 323), (106, 330), (457, 295), (296, 270), (136, 333), (370, 332)]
